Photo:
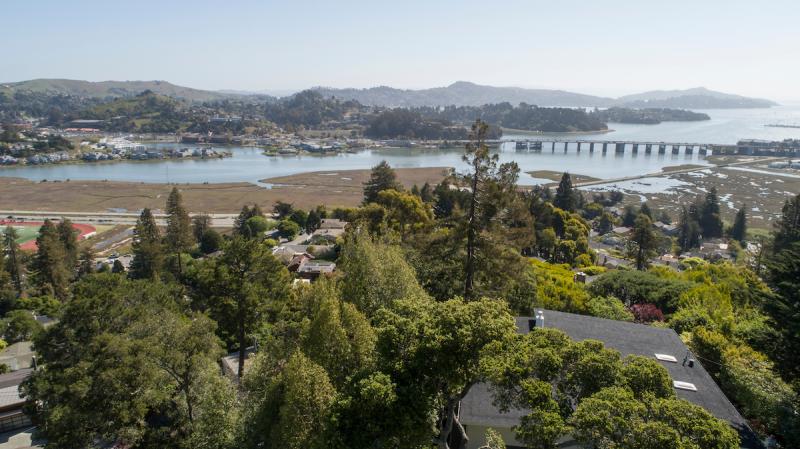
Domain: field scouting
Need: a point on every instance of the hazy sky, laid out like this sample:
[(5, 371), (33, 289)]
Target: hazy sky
[(602, 47)]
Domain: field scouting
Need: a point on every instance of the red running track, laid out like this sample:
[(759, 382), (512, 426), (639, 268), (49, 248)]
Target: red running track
[(30, 245)]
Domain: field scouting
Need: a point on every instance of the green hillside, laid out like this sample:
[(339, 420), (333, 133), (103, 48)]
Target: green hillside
[(102, 89)]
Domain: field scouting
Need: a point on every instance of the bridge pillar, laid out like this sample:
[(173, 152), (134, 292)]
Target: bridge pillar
[(553, 149), (619, 148), (591, 147), (703, 151), (662, 149), (676, 149), (635, 148), (689, 149), (648, 148), (578, 146), (605, 147)]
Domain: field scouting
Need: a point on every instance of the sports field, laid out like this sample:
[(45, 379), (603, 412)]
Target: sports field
[(27, 232)]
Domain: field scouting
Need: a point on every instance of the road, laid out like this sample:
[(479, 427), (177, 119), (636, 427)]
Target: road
[(674, 172), (106, 218)]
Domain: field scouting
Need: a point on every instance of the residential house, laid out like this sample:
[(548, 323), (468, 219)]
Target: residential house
[(691, 381)]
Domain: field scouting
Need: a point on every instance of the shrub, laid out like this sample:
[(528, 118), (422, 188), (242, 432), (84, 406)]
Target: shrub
[(646, 313)]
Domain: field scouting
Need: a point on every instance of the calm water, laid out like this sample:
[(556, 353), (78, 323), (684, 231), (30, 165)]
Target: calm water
[(248, 164)]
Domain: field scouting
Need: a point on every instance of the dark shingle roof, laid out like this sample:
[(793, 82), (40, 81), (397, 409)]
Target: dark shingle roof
[(627, 338)]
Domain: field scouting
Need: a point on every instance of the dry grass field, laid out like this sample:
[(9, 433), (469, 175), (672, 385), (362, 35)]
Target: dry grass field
[(341, 188)]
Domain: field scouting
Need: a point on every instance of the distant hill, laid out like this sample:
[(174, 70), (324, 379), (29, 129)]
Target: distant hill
[(464, 93), (103, 89), (696, 98)]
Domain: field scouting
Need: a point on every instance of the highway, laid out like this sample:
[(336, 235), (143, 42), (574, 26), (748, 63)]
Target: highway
[(106, 218)]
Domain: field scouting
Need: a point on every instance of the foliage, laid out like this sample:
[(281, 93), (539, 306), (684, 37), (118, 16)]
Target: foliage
[(19, 325), (646, 313), (139, 372), (636, 287), (381, 178), (148, 258), (608, 307), (556, 288), (49, 265), (642, 242)]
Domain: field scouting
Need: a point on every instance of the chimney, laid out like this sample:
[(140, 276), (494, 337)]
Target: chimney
[(540, 319)]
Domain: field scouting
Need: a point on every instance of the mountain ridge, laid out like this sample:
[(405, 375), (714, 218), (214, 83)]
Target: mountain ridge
[(459, 93)]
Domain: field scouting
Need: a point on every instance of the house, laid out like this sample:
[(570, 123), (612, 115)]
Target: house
[(315, 268), (11, 415), (692, 382), (332, 223), (327, 234)]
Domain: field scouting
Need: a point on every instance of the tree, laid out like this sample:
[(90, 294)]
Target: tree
[(117, 267), (787, 228), (629, 215), (179, 236), (290, 409), (239, 287), (434, 348), (375, 274), (739, 228), (642, 242), (201, 224), (282, 209), (491, 188), (288, 229), (313, 221), (211, 241), (426, 193), (565, 194), (69, 239), (404, 211), (13, 257), (239, 225), (645, 209), (605, 224), (688, 231), (664, 217), (87, 263), (300, 217), (710, 220), (140, 373), (783, 271), (19, 325), (48, 265), (381, 178), (148, 255)]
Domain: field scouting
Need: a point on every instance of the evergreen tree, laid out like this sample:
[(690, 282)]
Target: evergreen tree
[(664, 217), (13, 260), (426, 193), (148, 255), (605, 224), (240, 226), (784, 307), (629, 215), (415, 191), (382, 178), (282, 209), (565, 194), (117, 267), (69, 238), (313, 221), (710, 221), (179, 236), (492, 188), (645, 209), (200, 224), (739, 228), (86, 264), (688, 231), (787, 229), (49, 269), (643, 242)]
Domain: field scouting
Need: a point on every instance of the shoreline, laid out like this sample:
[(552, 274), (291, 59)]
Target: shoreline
[(549, 133)]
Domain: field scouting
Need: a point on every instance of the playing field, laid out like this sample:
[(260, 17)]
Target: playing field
[(26, 233)]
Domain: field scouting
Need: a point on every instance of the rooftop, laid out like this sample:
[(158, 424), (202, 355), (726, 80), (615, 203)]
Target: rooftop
[(627, 338)]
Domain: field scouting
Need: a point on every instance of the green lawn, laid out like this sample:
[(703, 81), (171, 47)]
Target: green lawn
[(26, 233)]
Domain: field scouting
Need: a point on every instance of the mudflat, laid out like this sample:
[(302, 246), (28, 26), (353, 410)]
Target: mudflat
[(305, 190)]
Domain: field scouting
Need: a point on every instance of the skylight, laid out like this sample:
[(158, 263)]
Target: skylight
[(684, 385), (666, 358)]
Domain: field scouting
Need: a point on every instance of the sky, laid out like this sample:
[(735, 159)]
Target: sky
[(608, 47)]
